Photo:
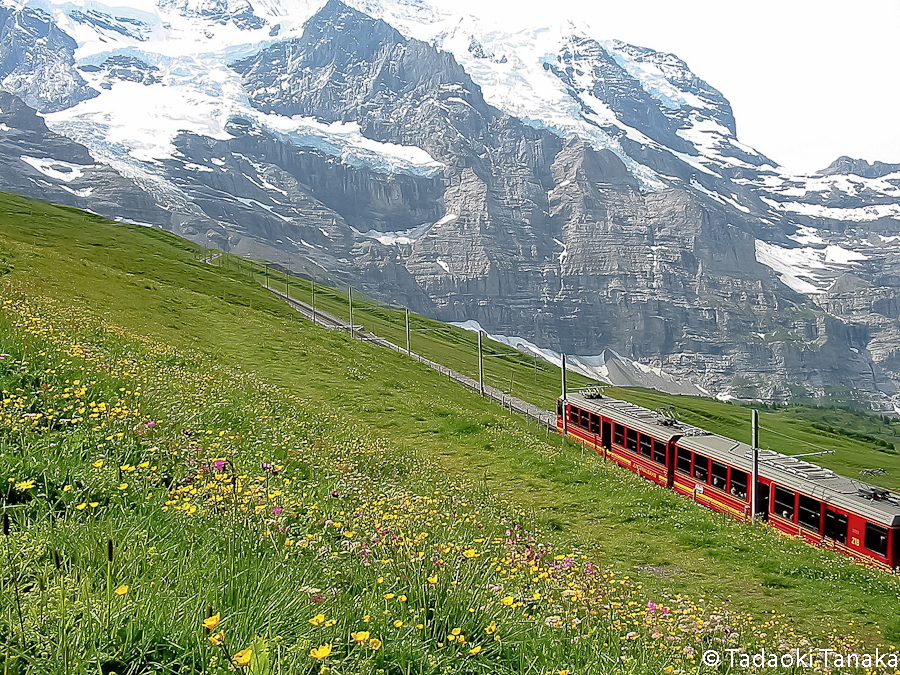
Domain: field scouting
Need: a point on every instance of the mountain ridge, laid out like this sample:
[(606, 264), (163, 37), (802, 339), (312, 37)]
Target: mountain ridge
[(584, 194)]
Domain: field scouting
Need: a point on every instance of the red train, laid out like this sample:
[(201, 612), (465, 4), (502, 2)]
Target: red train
[(794, 496)]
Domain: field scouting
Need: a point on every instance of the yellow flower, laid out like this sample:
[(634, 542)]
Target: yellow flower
[(492, 628), (217, 638), (25, 485), (456, 631), (360, 636), (212, 622), (375, 644), (401, 598), (82, 506), (432, 580), (367, 618), (668, 670), (507, 601), (321, 652), (475, 650), (562, 672), (93, 505), (398, 624), (121, 590), (123, 486), (98, 464), (317, 620), (242, 658), (388, 596), (470, 553)]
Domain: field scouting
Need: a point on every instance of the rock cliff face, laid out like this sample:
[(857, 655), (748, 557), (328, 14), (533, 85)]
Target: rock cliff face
[(590, 196)]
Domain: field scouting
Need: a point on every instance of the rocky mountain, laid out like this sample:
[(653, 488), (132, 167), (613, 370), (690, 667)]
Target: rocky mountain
[(585, 195)]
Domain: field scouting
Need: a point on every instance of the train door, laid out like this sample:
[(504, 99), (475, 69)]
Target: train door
[(895, 533), (762, 500), (607, 434)]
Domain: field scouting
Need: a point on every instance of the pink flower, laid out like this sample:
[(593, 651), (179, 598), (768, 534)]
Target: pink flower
[(219, 464), (652, 606), (277, 510)]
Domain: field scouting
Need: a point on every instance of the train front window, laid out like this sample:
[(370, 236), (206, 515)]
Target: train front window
[(646, 446), (809, 513), (876, 539), (784, 503), (631, 439), (684, 461), (573, 414), (619, 435), (836, 526), (738, 485), (701, 468), (559, 409), (719, 475)]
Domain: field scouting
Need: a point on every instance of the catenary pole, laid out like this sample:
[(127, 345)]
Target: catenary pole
[(480, 366), (754, 480)]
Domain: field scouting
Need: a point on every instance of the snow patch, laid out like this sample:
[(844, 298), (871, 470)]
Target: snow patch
[(443, 265), (53, 168)]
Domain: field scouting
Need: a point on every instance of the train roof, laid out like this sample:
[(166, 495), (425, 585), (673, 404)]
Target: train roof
[(876, 504)]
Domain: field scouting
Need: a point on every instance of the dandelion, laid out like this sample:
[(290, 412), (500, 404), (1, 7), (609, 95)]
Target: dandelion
[(375, 644), (121, 590), (24, 485), (360, 636), (321, 652), (317, 620), (243, 657), (212, 622)]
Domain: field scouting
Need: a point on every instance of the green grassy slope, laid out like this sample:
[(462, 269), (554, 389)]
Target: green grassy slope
[(151, 282)]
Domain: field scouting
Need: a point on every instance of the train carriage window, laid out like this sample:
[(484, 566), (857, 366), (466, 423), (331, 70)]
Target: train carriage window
[(784, 503), (619, 435), (646, 446), (836, 526), (631, 439), (719, 475), (737, 486), (559, 409), (701, 468), (573, 414), (585, 419), (595, 423), (876, 539), (809, 513), (659, 452), (684, 461)]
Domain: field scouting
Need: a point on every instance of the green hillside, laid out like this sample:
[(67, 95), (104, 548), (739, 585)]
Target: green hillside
[(341, 506)]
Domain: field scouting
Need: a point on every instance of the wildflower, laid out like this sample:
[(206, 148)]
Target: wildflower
[(507, 601), (123, 486), (317, 620), (82, 506), (217, 638), (456, 631), (398, 624), (242, 658), (668, 670), (212, 622), (277, 510), (375, 644), (470, 553), (98, 464), (562, 672), (93, 505), (475, 650), (25, 485), (388, 596), (121, 590), (401, 598), (432, 580), (360, 636), (492, 628), (321, 652)]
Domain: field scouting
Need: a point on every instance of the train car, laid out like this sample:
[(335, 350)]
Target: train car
[(793, 496)]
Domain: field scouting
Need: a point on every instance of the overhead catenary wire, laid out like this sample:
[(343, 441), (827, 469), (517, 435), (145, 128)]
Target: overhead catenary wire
[(799, 440)]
